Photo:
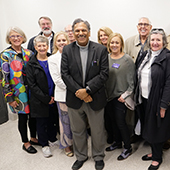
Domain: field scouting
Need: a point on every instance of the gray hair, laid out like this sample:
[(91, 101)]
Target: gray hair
[(161, 32), (15, 29), (44, 18), (80, 20), (146, 19), (40, 38)]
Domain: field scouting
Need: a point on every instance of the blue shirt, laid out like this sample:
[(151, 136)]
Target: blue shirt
[(44, 65)]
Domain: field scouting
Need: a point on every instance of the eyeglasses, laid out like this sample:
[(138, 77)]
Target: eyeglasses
[(68, 31), (15, 36), (143, 24)]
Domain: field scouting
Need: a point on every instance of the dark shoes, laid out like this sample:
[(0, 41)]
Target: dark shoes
[(146, 158), (99, 165), (78, 164), (125, 154), (152, 167), (30, 149), (34, 143), (114, 146)]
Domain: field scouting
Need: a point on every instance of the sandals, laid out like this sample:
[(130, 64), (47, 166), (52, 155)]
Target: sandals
[(69, 153)]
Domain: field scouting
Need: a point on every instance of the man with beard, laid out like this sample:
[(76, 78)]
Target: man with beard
[(45, 24), (84, 69)]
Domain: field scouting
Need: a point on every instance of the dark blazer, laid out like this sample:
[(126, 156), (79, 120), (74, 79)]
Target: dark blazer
[(157, 129), (31, 44), (96, 74), (38, 85)]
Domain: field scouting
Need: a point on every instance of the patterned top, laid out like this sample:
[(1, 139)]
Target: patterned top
[(13, 78)]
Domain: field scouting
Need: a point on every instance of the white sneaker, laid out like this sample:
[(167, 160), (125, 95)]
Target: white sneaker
[(56, 143), (46, 151)]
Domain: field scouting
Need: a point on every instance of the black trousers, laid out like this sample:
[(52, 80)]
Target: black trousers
[(23, 119), (157, 151), (46, 128), (117, 112)]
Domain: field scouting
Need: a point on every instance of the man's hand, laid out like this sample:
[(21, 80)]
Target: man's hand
[(81, 94), (88, 99)]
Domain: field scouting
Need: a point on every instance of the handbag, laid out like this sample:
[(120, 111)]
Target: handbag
[(129, 102)]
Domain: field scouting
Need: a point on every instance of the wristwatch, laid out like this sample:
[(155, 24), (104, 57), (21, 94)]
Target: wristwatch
[(88, 91)]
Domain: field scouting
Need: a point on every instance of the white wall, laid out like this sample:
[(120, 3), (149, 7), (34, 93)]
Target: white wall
[(120, 15)]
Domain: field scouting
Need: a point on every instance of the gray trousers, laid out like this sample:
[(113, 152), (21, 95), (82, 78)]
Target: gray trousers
[(78, 121)]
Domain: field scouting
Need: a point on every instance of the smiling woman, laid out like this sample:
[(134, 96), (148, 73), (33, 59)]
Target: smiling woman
[(152, 89), (13, 63), (42, 91), (60, 41)]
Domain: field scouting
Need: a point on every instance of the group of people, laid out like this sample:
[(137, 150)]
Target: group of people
[(66, 83)]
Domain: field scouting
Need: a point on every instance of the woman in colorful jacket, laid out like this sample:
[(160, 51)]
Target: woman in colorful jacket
[(13, 62)]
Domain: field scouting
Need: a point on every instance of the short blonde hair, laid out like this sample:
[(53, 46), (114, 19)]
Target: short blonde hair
[(110, 38), (15, 29), (55, 49), (107, 30), (40, 38)]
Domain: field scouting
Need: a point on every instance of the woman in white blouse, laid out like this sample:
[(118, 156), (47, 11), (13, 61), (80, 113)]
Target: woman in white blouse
[(61, 40)]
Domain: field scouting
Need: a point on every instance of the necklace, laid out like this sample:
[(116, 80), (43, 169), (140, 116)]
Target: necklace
[(45, 63)]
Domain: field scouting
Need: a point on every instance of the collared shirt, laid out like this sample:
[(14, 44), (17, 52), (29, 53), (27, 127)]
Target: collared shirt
[(83, 55), (49, 40)]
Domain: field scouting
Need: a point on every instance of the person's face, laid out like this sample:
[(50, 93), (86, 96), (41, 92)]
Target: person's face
[(156, 42), (41, 48), (103, 38), (144, 27), (69, 32), (81, 33), (46, 26), (61, 41), (15, 38), (115, 45)]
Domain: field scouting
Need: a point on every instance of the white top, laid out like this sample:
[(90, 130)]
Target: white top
[(54, 62), (146, 73)]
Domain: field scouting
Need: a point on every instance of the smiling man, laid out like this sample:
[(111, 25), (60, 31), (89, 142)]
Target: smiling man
[(45, 24), (138, 42), (84, 69)]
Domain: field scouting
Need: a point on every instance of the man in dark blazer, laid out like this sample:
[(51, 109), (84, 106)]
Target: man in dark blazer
[(84, 69)]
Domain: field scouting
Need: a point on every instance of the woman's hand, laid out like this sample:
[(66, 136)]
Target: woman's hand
[(162, 112), (14, 104), (52, 100), (120, 99)]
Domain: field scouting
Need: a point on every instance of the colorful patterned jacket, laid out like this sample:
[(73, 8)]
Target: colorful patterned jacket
[(13, 78)]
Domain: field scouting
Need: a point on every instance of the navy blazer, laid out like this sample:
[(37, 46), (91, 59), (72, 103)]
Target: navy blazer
[(96, 74)]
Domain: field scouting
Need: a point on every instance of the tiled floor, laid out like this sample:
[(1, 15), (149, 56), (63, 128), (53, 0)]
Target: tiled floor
[(12, 157)]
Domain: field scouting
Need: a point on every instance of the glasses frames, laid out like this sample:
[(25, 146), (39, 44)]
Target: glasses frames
[(15, 36), (143, 24)]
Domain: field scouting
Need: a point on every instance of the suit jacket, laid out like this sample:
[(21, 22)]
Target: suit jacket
[(96, 74), (132, 46)]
